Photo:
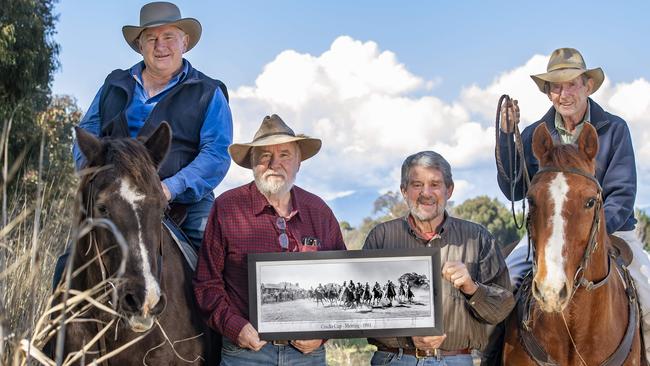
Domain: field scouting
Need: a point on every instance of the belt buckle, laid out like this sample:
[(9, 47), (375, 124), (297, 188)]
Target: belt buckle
[(281, 343), (424, 353)]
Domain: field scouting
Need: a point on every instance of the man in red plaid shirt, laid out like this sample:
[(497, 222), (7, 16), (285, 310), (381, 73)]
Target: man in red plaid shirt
[(269, 214)]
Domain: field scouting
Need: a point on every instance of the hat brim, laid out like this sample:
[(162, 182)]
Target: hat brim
[(190, 26), (564, 75), (240, 153)]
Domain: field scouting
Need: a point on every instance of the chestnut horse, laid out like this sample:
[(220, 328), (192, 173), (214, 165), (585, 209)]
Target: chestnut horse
[(583, 309), (154, 299)]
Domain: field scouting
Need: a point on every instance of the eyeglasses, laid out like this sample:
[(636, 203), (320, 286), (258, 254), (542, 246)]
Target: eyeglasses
[(568, 87), (281, 223)]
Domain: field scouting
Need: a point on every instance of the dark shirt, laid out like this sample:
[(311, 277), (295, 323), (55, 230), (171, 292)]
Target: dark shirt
[(241, 222), (615, 166), (465, 318)]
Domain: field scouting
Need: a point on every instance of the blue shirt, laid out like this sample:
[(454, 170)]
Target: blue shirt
[(210, 166)]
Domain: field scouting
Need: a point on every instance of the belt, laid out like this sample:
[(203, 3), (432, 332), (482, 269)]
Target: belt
[(283, 342), (423, 353)]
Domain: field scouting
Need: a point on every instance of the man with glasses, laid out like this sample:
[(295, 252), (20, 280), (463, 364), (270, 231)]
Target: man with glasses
[(270, 214), (568, 84)]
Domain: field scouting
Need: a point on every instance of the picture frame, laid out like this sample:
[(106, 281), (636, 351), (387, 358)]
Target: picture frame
[(303, 295)]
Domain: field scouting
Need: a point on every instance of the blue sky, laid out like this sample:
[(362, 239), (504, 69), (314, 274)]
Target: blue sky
[(377, 80)]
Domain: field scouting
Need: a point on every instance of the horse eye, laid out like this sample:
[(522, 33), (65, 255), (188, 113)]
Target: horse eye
[(531, 202), (590, 203), (103, 211)]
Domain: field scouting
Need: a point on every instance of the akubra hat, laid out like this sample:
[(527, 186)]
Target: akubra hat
[(162, 13), (567, 64), (273, 131)]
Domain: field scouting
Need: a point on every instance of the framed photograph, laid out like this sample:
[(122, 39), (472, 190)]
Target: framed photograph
[(345, 294)]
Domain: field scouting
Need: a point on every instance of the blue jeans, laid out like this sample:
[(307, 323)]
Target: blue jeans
[(381, 358), (233, 355), (196, 219)]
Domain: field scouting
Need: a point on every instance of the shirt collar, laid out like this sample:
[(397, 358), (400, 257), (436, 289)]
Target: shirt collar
[(415, 232), (566, 136), (136, 72), (259, 203)]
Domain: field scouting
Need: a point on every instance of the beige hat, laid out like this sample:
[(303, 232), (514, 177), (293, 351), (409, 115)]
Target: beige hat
[(273, 131), (567, 64), (162, 13)]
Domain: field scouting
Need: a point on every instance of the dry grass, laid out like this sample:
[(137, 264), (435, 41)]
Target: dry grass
[(26, 275)]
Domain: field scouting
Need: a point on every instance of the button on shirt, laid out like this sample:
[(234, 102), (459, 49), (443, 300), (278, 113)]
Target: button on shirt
[(242, 222), (209, 167)]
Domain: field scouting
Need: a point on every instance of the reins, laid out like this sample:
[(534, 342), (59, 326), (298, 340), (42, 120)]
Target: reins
[(516, 160), (534, 349)]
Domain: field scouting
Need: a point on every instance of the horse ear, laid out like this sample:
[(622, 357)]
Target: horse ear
[(588, 141), (88, 143), (158, 143), (542, 142)]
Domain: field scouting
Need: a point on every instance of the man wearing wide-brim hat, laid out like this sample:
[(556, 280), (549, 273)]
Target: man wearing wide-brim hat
[(165, 87), (568, 83), (269, 214)]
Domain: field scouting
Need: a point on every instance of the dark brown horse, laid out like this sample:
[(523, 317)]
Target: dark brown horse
[(146, 270), (581, 311)]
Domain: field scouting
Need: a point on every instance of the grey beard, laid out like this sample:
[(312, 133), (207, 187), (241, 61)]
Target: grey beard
[(273, 188)]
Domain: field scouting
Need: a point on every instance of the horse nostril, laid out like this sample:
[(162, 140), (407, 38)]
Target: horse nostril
[(160, 306), (130, 303), (564, 292)]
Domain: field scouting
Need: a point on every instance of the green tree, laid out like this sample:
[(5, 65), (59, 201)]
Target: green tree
[(492, 214), (28, 59)]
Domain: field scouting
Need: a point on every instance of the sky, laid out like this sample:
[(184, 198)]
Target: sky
[(380, 80)]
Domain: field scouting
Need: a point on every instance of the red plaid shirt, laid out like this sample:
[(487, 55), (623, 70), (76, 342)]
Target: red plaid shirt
[(241, 222)]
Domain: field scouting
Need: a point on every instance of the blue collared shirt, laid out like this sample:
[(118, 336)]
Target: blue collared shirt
[(210, 166)]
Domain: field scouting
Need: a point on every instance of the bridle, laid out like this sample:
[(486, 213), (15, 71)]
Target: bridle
[(89, 210), (88, 214), (534, 349), (592, 244)]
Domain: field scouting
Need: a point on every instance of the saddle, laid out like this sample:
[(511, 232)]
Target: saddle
[(621, 249), (190, 253)]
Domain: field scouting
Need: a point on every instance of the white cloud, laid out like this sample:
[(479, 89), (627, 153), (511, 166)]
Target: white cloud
[(356, 98), (360, 101)]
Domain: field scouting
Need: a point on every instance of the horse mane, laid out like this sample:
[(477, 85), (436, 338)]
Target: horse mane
[(568, 156), (129, 158)]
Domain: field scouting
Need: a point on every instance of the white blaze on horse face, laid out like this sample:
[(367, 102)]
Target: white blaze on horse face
[(152, 289), (555, 275)]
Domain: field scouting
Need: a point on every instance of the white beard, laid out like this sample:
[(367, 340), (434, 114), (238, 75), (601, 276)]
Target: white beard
[(273, 187)]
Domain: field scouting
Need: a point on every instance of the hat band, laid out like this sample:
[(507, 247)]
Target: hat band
[(567, 66), (274, 134), (159, 21)]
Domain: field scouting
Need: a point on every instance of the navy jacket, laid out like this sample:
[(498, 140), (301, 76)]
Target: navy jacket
[(615, 166)]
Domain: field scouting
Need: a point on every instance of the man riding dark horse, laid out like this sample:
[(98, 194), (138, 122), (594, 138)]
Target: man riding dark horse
[(390, 292)]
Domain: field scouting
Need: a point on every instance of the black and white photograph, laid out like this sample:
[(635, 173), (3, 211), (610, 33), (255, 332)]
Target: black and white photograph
[(346, 293)]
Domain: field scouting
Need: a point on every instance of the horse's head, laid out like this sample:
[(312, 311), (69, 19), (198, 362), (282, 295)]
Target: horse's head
[(120, 183), (564, 210)]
